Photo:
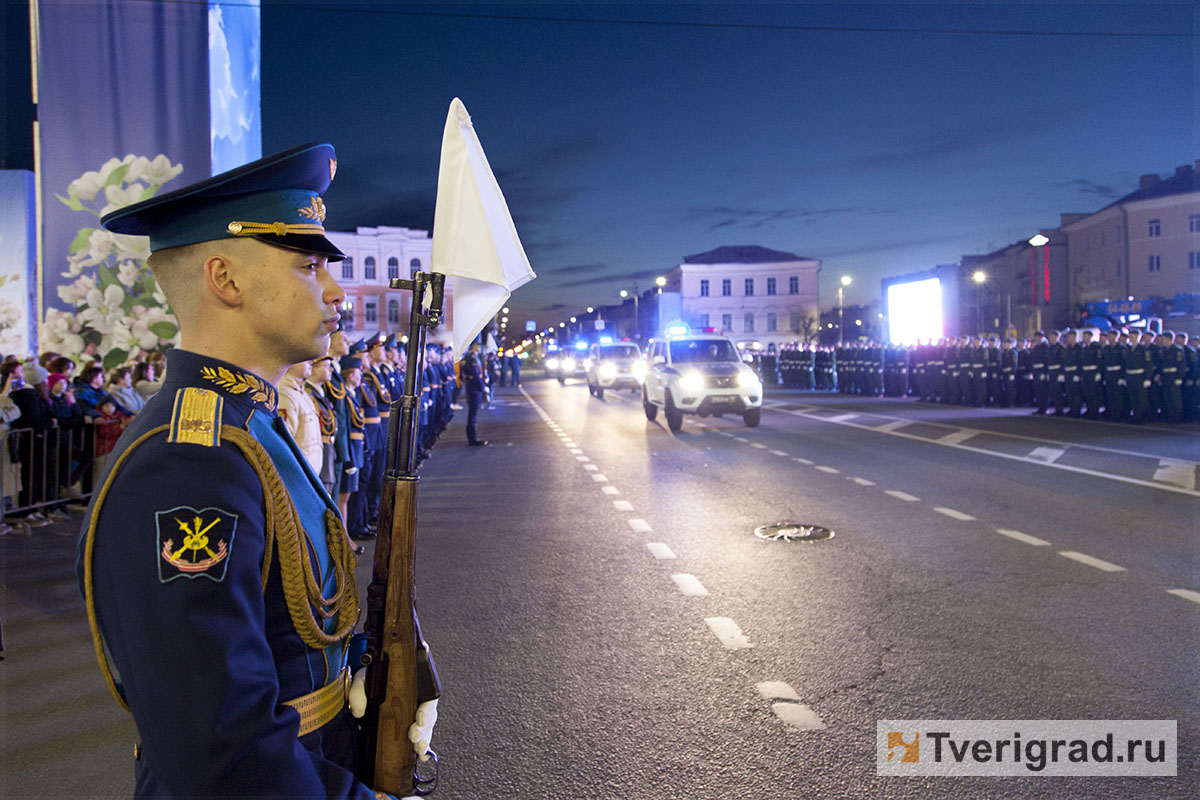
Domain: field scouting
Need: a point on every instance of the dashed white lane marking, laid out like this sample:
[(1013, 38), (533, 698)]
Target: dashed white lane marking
[(1186, 594), (759, 445), (660, 550), (582, 459), (1046, 455), (777, 690), (598, 478), (841, 417), (569, 444), (689, 584), (863, 482), (950, 512), (802, 461), (591, 467), (894, 425), (727, 631), (610, 490), (1022, 537), (779, 453), (622, 505), (741, 439), (798, 716), (958, 437), (575, 451), (1176, 473), (908, 498), (830, 470), (1091, 561), (639, 525)]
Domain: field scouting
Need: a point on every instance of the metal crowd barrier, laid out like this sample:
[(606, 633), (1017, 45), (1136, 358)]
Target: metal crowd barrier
[(43, 471)]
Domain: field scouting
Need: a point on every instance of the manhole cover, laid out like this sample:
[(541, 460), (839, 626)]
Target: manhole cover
[(793, 532)]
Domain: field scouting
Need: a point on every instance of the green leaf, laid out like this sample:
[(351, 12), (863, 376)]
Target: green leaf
[(71, 202), (164, 330), (149, 192), (107, 277), (114, 358), (128, 303), (91, 336), (80, 242), (117, 176)]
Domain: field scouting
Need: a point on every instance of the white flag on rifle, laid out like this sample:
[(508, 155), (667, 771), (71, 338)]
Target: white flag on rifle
[(474, 240)]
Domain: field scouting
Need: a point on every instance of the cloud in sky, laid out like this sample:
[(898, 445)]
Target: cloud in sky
[(749, 219), (1091, 188)]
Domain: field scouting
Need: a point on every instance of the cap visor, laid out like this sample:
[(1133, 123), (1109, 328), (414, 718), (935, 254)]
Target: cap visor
[(305, 243)]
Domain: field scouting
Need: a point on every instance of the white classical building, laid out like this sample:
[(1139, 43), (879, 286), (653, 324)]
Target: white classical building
[(751, 294), (374, 257)]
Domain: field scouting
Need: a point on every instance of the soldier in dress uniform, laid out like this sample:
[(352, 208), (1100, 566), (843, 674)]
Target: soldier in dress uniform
[(1173, 368), (326, 420), (214, 566), (1140, 369), (1024, 397), (1072, 361), (1116, 384), (375, 439), (953, 372), (1039, 356), (993, 370), (979, 374), (1056, 374), (1191, 379), (373, 374), (1008, 373), (1091, 374)]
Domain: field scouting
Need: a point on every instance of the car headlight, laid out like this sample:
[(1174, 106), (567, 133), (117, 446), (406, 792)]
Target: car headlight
[(568, 364), (691, 381), (551, 363), (638, 368), (608, 370), (748, 380)]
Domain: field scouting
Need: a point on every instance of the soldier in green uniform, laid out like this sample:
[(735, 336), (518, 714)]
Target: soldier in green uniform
[(992, 352), (1008, 373), (1090, 374), (1191, 379), (1116, 388), (1056, 376), (1139, 367), (979, 374), (1041, 377), (1172, 371), (1072, 361)]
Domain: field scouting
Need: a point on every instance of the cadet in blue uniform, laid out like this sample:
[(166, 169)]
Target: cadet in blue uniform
[(214, 565)]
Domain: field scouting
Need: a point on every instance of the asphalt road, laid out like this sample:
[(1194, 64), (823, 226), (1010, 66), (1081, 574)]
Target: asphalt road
[(607, 625)]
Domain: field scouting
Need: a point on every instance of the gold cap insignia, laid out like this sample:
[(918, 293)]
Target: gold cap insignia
[(314, 210)]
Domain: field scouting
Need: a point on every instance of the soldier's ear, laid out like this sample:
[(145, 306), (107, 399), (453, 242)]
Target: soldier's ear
[(221, 280)]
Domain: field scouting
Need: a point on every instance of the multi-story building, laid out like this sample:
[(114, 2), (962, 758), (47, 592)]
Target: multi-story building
[(373, 257), (751, 294), (1145, 245)]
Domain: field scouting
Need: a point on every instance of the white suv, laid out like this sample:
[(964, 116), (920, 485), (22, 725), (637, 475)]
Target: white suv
[(614, 365), (700, 374)]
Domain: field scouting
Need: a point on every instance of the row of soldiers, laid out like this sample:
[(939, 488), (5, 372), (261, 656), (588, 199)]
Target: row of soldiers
[(1130, 376), (365, 377)]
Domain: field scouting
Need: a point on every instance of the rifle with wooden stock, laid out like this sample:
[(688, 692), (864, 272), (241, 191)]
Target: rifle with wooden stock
[(400, 672)]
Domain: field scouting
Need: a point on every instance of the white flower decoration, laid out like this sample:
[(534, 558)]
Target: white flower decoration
[(86, 185), (158, 171), (103, 308), (76, 293), (128, 273)]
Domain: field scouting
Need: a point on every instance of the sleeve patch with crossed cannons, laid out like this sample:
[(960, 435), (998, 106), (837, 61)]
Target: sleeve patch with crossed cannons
[(192, 543)]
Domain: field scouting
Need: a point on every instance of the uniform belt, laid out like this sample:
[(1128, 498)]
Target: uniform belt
[(384, 414), (326, 440), (1070, 369), (319, 707), (1039, 366), (1170, 369), (1112, 369), (1136, 371), (358, 437), (1007, 369), (371, 420), (1091, 366), (977, 366)]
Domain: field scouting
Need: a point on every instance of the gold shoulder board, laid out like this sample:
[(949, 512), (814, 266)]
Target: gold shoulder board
[(196, 418)]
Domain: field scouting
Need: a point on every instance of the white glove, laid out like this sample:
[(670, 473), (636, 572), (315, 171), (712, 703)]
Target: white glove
[(421, 731), (358, 693)]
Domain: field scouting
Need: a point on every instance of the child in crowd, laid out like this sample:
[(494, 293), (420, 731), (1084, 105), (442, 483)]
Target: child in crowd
[(109, 425)]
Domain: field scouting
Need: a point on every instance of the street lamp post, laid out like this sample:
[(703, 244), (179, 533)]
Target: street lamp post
[(846, 280), (637, 323)]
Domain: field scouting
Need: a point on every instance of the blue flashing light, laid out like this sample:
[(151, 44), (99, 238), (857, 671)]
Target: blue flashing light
[(581, 345)]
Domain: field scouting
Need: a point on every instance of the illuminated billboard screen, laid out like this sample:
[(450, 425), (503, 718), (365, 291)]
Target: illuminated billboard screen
[(915, 311)]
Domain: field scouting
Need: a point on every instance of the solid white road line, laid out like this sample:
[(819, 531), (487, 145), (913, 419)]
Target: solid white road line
[(660, 550), (802, 461), (610, 490), (798, 716), (727, 631), (1091, 561), (777, 690), (950, 512), (1186, 594), (863, 482), (639, 525), (908, 498), (779, 453), (1022, 537), (689, 584), (830, 470), (622, 505)]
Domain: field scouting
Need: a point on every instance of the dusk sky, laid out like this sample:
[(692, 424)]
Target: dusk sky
[(628, 136)]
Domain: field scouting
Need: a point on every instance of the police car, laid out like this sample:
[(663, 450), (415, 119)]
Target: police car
[(699, 374), (564, 363), (616, 365)]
